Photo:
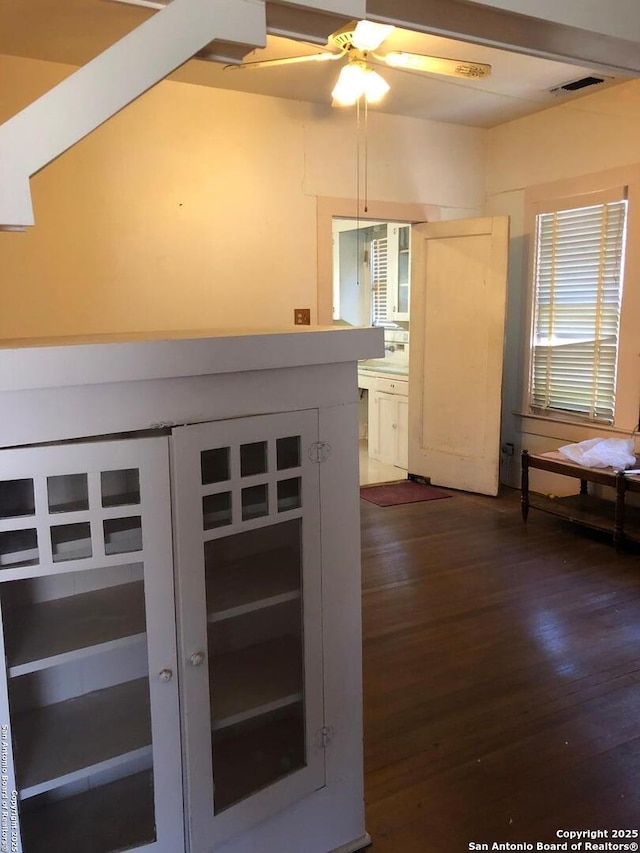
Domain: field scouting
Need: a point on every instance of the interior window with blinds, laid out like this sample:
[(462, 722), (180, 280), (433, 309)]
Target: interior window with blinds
[(578, 289), (379, 290)]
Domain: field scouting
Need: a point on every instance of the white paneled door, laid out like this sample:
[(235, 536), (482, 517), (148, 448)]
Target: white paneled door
[(458, 300)]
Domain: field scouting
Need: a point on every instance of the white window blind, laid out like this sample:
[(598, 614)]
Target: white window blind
[(578, 289), (379, 291)]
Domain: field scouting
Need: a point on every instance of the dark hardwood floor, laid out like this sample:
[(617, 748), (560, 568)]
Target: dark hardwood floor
[(501, 675)]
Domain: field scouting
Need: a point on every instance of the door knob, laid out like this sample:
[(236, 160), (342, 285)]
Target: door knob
[(196, 659), (165, 675)]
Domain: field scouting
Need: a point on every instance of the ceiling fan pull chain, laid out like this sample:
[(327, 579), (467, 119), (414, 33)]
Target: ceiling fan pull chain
[(358, 145), (366, 154)]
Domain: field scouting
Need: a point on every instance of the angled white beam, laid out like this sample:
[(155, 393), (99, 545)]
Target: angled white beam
[(67, 113)]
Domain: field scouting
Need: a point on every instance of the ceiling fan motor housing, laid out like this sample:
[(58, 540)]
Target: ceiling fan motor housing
[(343, 38)]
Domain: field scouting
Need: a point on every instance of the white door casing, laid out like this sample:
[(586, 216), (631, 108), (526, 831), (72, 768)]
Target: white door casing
[(458, 304)]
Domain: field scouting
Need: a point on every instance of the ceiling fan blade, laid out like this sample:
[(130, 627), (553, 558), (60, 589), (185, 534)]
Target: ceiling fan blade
[(436, 65), (369, 36), (287, 60)]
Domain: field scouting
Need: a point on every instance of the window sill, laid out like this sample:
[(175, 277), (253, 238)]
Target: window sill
[(567, 428)]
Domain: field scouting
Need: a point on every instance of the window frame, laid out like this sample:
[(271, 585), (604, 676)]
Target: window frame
[(570, 206), (613, 185)]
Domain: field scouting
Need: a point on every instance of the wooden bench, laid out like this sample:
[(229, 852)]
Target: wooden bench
[(615, 517)]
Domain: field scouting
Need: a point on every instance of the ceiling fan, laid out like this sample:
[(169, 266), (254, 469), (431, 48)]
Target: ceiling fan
[(358, 41)]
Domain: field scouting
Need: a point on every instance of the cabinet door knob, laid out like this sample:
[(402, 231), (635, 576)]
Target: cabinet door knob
[(196, 659), (394, 426), (165, 675)]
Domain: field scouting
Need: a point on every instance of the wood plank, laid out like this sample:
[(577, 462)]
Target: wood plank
[(61, 743), (501, 675), (52, 632)]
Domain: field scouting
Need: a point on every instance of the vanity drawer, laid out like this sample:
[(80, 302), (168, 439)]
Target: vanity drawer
[(393, 386)]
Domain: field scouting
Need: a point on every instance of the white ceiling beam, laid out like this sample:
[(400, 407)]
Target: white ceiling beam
[(479, 21)]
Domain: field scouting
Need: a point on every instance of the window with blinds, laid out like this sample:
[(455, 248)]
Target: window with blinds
[(379, 291), (578, 289)]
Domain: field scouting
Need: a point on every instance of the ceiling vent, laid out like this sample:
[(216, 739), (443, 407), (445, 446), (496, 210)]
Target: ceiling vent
[(576, 85)]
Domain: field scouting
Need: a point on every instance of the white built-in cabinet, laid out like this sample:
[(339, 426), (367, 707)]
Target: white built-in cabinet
[(180, 603), (388, 414), (90, 701), (398, 271)]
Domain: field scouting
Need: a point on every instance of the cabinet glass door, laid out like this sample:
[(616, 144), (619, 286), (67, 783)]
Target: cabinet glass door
[(90, 728), (246, 503), (399, 270)]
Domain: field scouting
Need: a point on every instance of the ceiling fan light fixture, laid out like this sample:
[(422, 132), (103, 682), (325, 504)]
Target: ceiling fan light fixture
[(375, 86), (349, 86), (398, 60), (369, 36), (355, 80)]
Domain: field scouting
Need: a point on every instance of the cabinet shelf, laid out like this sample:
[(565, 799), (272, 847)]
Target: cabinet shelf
[(70, 740), (253, 583), (54, 632), (116, 816), (254, 681)]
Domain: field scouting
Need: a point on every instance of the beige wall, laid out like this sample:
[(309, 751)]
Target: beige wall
[(196, 207), (578, 144)]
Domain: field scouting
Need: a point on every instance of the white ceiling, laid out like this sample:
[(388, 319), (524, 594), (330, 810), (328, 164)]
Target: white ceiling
[(73, 31)]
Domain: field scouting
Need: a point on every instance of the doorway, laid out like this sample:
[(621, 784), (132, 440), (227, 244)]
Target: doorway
[(371, 276)]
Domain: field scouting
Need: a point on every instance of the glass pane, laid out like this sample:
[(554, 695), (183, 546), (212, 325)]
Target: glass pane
[(253, 458), (122, 535), (68, 493), (18, 548), (16, 498), (255, 502), (214, 465), (216, 510), (289, 494), (71, 541), (255, 754), (288, 451), (403, 268), (69, 718), (254, 603), (120, 488), (403, 237), (403, 299)]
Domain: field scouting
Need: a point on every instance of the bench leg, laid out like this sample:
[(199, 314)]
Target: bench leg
[(524, 492), (618, 523)]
